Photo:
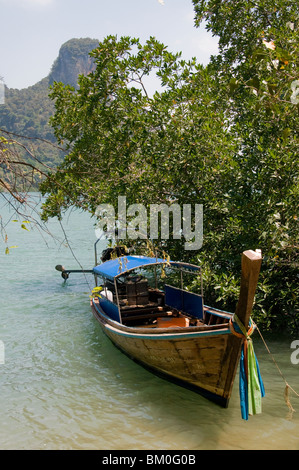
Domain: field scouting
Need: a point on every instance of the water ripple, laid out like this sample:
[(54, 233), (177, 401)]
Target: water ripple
[(64, 386)]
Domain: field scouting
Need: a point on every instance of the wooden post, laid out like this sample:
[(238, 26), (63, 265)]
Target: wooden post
[(251, 265)]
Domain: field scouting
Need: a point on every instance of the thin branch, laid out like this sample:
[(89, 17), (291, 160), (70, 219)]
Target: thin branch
[(31, 138), (13, 194)]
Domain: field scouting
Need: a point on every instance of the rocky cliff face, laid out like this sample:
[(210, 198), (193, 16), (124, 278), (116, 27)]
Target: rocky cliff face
[(73, 60), (27, 112)]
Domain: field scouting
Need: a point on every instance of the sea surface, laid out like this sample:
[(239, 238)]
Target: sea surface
[(65, 386)]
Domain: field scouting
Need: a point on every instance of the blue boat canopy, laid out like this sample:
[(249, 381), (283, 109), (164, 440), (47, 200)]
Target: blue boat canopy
[(116, 267)]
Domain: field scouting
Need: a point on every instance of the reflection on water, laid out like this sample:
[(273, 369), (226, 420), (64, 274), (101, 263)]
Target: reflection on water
[(64, 385)]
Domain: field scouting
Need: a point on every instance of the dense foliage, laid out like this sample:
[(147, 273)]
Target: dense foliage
[(223, 136), (258, 65), (27, 112)]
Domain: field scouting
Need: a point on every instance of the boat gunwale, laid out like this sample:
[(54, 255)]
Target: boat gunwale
[(158, 333)]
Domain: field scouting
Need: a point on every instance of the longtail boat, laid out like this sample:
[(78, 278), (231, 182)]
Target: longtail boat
[(167, 328)]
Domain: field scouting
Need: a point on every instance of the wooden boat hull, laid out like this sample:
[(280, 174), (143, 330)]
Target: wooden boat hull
[(170, 331), (203, 359)]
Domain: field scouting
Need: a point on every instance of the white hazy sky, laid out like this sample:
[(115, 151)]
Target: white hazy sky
[(32, 31)]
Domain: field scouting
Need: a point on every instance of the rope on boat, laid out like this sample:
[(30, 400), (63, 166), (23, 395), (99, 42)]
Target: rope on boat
[(287, 386), (245, 335), (251, 387), (73, 254)]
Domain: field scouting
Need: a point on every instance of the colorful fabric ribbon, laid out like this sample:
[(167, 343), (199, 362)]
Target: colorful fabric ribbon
[(251, 387)]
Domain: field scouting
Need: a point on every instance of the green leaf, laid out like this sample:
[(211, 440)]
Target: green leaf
[(233, 85), (254, 82), (285, 134)]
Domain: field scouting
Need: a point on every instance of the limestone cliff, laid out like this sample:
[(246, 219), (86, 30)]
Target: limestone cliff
[(26, 112), (73, 60)]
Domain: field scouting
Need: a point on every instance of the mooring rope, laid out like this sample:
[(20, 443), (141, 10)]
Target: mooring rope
[(251, 387), (73, 254), (287, 386)]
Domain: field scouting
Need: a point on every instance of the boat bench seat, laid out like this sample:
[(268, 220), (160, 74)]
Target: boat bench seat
[(144, 313)]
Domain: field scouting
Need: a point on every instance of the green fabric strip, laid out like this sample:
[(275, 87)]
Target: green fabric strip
[(254, 390)]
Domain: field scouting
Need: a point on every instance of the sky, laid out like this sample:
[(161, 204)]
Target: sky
[(32, 31)]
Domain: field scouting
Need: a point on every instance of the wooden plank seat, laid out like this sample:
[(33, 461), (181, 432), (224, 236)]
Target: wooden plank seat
[(144, 317), (144, 313), (128, 309)]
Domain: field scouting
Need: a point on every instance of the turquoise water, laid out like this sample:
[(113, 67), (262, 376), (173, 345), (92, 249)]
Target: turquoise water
[(65, 386)]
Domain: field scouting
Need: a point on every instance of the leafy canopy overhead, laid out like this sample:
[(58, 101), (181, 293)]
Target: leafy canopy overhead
[(224, 136), (122, 141)]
